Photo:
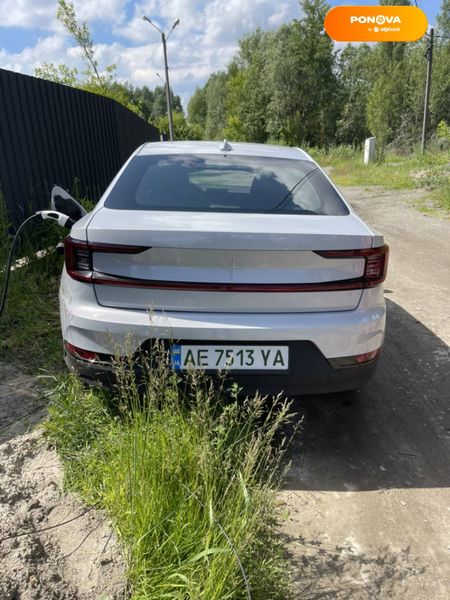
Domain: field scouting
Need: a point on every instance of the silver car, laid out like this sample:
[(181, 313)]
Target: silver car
[(240, 257)]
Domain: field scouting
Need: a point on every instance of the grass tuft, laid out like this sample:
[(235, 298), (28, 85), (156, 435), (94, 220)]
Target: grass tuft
[(189, 478), (397, 171)]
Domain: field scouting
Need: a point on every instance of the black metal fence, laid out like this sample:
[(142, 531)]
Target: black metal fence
[(53, 134)]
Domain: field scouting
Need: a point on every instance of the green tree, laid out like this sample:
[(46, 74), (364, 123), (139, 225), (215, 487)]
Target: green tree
[(394, 50), (392, 103), (183, 130), (65, 13), (159, 108), (248, 92), (356, 75), (304, 106), (93, 80), (443, 20), (216, 117), (142, 98), (58, 74), (197, 107), (440, 90)]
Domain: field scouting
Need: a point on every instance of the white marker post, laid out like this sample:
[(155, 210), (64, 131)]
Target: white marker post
[(370, 150)]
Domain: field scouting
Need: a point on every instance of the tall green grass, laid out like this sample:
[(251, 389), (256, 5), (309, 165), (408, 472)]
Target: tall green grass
[(29, 328), (396, 171), (188, 475), (437, 180)]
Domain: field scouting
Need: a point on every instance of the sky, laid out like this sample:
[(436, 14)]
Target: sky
[(204, 41)]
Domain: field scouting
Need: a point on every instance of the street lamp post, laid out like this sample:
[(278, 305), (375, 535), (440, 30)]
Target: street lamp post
[(164, 39)]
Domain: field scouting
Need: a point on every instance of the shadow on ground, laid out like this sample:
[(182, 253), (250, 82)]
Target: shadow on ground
[(343, 573), (395, 433), (392, 436)]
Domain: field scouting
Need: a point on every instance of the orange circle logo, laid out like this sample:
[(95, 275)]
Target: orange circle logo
[(376, 23)]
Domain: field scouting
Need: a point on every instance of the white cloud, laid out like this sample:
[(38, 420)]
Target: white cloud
[(28, 13), (205, 40), (41, 14), (106, 11), (49, 49)]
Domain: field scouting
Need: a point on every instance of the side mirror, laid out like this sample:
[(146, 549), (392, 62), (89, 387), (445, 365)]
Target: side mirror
[(64, 203)]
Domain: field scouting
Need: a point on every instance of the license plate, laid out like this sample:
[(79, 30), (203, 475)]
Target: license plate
[(232, 358)]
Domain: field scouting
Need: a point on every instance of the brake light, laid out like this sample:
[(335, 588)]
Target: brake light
[(376, 263), (78, 256)]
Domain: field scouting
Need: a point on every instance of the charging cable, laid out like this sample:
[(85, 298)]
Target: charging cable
[(53, 215)]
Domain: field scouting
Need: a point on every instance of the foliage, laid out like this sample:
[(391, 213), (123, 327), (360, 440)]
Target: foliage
[(183, 130), (440, 89), (150, 105), (443, 132), (443, 20), (92, 80), (304, 81), (247, 95), (354, 66), (58, 74), (187, 476), (66, 15), (197, 107), (292, 86), (216, 116)]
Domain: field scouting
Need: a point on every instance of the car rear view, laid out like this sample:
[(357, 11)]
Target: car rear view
[(241, 257)]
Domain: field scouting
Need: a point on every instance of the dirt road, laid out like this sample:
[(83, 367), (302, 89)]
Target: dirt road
[(51, 546), (369, 490)]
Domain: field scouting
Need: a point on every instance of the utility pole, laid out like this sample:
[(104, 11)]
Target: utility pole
[(168, 96), (164, 39), (426, 111)]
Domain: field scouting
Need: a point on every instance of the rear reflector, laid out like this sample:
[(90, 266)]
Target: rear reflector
[(354, 361), (80, 352)]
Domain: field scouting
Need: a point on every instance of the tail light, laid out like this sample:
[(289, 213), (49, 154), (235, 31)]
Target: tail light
[(375, 268), (79, 265), (78, 256)]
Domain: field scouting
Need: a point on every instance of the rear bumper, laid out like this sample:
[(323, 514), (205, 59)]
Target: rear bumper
[(314, 338), (309, 373)]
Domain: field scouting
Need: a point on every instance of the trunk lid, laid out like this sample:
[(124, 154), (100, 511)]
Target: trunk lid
[(256, 262)]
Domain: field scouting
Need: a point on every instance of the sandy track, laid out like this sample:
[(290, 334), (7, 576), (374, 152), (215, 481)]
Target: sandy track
[(76, 557), (369, 491)]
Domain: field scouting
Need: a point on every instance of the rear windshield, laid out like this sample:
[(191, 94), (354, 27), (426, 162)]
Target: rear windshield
[(245, 184)]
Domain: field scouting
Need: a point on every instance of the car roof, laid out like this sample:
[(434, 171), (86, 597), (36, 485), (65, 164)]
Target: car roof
[(237, 148)]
